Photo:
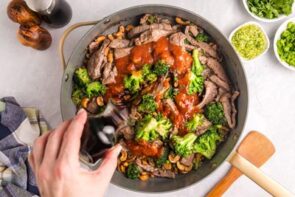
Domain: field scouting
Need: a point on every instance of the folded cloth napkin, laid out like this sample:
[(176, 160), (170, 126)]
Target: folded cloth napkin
[(19, 127)]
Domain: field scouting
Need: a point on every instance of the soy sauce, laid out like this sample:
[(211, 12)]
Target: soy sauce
[(98, 137), (59, 16), (56, 13)]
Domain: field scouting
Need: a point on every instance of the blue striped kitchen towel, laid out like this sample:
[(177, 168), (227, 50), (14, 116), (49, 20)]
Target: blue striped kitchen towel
[(19, 127)]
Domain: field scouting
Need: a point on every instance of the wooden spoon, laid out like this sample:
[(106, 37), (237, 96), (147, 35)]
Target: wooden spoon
[(254, 150)]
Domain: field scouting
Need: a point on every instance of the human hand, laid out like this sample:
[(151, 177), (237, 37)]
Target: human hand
[(55, 162)]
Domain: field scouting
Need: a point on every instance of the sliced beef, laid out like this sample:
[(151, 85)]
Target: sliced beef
[(122, 52), (210, 94), (206, 73), (234, 96), (96, 60), (155, 171), (119, 43), (221, 92), (143, 20), (227, 101), (215, 66), (169, 102), (188, 161), (164, 173), (142, 28), (178, 39), (109, 73), (93, 46), (125, 130), (152, 36), (219, 82), (204, 127), (194, 30), (208, 49)]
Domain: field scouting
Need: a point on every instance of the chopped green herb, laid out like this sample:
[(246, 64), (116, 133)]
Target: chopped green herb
[(286, 45), (249, 41)]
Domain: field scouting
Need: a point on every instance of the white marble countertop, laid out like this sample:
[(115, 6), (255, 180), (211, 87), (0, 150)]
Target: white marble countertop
[(34, 78)]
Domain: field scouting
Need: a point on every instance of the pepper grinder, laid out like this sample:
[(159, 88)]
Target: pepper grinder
[(56, 13)]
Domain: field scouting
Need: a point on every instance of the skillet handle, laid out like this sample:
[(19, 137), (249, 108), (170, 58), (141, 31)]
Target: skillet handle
[(65, 35), (256, 175)]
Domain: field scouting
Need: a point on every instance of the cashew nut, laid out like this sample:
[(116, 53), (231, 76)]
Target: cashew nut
[(123, 156), (110, 56), (84, 102), (181, 21), (129, 27), (99, 101), (99, 39), (173, 158)]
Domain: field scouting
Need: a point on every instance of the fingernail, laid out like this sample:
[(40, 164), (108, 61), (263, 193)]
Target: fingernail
[(117, 149), (80, 111)]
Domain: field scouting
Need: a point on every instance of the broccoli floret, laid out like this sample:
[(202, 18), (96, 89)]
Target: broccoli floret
[(161, 68), (148, 73), (196, 79), (195, 122), (133, 171), (95, 88), (146, 129), (215, 114), (164, 126), (197, 67), (77, 95), (151, 19), (170, 93), (202, 37), (206, 144), (148, 104), (196, 84), (81, 77), (184, 146), (163, 158), (134, 81)]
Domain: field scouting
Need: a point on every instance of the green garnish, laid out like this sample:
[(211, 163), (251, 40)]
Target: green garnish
[(249, 41), (270, 9), (286, 45)]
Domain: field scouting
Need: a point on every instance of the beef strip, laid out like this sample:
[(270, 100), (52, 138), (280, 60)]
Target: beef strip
[(215, 66), (122, 52), (187, 161), (177, 39), (142, 28), (233, 106), (93, 46), (125, 130), (221, 92), (208, 49), (119, 43), (95, 63), (204, 127), (210, 94), (219, 82), (109, 73), (194, 30), (155, 171), (227, 101), (152, 36)]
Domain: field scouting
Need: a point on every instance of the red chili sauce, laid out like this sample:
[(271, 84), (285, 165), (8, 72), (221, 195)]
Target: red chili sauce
[(180, 61)]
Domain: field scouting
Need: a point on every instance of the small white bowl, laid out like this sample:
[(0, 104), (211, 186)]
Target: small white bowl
[(265, 19), (249, 23), (280, 30)]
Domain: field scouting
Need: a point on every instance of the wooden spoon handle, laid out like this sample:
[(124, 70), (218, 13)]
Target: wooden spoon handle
[(221, 187), (258, 176)]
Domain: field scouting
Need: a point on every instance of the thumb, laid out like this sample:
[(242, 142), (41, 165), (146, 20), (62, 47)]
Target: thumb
[(109, 164)]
